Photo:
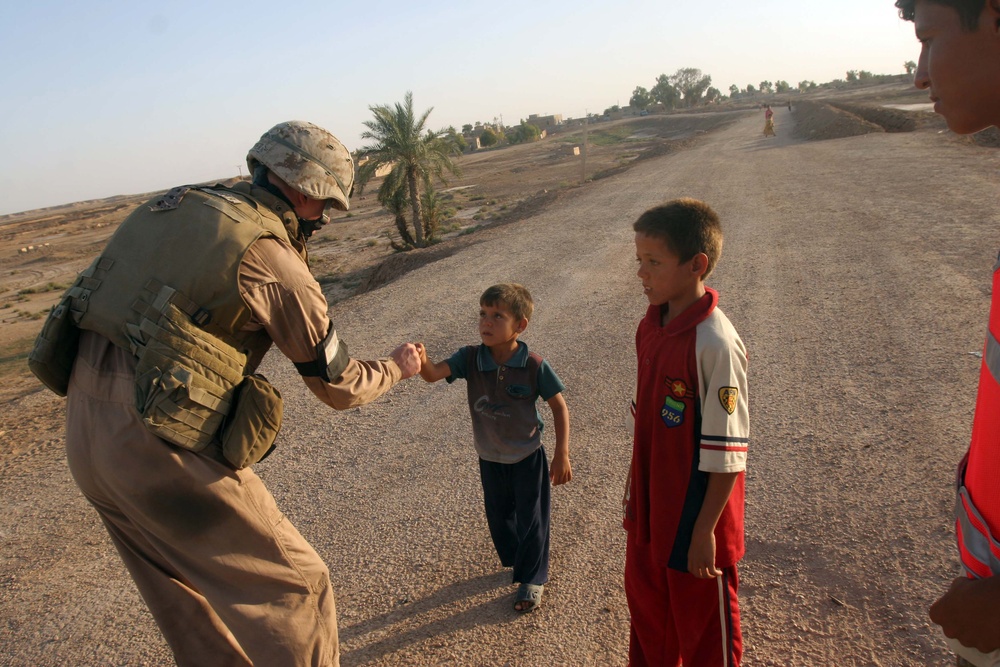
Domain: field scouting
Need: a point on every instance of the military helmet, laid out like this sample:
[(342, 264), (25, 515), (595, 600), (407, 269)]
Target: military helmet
[(309, 159)]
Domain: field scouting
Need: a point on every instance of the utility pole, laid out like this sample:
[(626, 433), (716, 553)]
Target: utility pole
[(583, 162), (240, 167)]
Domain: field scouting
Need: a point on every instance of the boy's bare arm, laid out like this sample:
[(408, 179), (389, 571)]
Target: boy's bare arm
[(429, 371), (561, 471), (970, 612), (701, 555)]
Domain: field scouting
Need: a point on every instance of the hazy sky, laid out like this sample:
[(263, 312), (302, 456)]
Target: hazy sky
[(104, 97)]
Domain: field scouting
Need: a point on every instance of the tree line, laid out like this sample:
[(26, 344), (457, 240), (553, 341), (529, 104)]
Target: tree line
[(688, 87), (417, 156)]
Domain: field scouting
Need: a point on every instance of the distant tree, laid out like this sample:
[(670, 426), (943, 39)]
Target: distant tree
[(640, 98), (665, 93), (734, 91), (805, 85), (433, 211), (910, 67), (766, 87), (713, 95), (691, 83), (489, 137), (852, 76), (467, 128), (781, 86), (865, 76), (750, 89), (453, 136), (524, 133), (397, 203), (415, 156)]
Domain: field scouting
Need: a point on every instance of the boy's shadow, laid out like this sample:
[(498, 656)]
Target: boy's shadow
[(490, 612)]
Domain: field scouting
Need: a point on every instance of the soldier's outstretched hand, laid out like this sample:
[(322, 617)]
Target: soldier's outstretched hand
[(407, 357)]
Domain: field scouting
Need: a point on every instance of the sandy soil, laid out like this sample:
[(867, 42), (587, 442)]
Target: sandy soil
[(857, 271)]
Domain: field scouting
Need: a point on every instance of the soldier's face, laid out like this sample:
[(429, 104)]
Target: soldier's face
[(310, 209)]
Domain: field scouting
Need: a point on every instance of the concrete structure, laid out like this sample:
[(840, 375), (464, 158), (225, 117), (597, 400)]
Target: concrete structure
[(381, 171), (542, 122)]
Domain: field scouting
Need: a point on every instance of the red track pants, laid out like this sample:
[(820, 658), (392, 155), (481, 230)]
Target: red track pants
[(678, 618)]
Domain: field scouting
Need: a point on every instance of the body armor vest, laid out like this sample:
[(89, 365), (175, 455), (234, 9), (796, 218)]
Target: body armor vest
[(166, 288), (186, 251)]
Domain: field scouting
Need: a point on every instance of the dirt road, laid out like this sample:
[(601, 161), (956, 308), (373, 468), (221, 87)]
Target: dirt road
[(860, 286)]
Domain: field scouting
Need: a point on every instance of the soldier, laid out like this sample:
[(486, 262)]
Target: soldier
[(155, 346)]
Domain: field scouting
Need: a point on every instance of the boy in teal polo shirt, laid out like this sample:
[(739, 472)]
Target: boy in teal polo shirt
[(504, 381)]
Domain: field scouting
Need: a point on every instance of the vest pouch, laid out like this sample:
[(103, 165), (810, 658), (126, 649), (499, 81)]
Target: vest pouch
[(180, 407), (249, 433), (185, 380), (51, 358)]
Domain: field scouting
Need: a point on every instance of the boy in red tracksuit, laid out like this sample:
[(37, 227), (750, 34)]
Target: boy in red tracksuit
[(684, 501)]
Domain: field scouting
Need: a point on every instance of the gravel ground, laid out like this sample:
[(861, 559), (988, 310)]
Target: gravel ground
[(857, 272)]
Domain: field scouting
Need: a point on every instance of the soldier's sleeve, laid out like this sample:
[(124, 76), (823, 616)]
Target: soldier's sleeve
[(288, 303)]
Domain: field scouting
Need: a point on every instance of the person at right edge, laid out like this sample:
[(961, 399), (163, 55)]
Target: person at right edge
[(959, 66), (155, 346), (683, 503)]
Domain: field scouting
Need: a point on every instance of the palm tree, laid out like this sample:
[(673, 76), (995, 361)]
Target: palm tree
[(415, 155)]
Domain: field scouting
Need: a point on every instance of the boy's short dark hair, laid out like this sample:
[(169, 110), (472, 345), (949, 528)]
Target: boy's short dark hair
[(687, 226), (969, 11), (515, 297)]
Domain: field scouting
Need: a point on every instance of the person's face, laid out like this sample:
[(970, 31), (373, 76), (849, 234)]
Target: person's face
[(497, 325), (311, 209), (960, 68), (664, 276)]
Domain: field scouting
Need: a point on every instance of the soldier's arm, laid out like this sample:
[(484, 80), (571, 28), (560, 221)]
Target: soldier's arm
[(288, 303)]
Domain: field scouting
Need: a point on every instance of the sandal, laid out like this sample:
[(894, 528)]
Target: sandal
[(529, 596)]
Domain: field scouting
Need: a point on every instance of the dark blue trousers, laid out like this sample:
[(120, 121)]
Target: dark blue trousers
[(516, 497)]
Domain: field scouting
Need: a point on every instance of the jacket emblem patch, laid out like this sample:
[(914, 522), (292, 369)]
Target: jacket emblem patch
[(727, 397), (678, 388), (672, 412)]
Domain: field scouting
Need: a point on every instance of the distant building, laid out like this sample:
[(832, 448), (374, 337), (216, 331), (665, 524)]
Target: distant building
[(543, 122), (381, 171)]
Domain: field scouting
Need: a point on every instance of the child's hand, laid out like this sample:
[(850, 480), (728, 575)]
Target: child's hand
[(560, 471), (701, 556), (422, 352)]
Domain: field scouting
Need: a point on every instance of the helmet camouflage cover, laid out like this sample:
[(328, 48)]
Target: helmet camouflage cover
[(308, 158)]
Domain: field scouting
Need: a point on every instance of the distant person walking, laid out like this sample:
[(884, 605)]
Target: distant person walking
[(769, 122), (959, 66), (155, 346)]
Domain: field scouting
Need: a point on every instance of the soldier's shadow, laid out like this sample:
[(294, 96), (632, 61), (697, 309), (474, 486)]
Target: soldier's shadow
[(430, 616)]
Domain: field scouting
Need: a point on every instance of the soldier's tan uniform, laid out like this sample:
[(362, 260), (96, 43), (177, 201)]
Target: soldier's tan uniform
[(227, 577)]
